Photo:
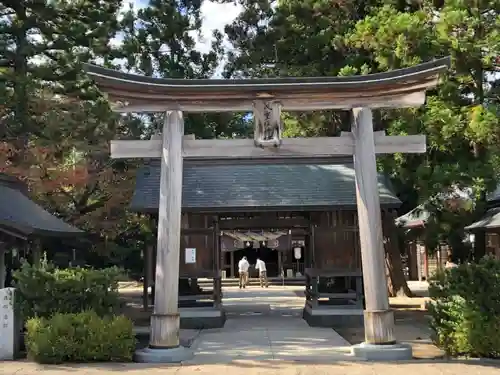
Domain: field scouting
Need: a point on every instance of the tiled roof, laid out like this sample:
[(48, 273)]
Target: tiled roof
[(19, 214), (230, 188), (490, 220)]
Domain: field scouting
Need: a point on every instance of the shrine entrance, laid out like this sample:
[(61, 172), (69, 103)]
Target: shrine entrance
[(266, 245), (267, 255), (267, 98)]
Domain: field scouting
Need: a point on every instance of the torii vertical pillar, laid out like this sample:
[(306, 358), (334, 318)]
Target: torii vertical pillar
[(380, 342), (164, 344)]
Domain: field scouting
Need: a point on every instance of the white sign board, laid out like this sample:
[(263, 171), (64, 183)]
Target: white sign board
[(7, 324), (190, 255), (297, 252)]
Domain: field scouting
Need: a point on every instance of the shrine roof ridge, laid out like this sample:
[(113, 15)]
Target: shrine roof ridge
[(418, 71)]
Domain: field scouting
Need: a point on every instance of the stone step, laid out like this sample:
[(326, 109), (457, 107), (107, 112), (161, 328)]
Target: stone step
[(204, 283)]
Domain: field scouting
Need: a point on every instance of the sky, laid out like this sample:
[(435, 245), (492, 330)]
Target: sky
[(215, 17)]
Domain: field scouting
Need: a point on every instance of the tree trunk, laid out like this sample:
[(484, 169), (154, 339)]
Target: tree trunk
[(396, 281)]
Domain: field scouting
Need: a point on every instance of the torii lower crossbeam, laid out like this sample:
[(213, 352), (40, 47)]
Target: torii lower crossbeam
[(228, 150)]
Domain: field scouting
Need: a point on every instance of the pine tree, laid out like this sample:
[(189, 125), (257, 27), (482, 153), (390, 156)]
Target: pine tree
[(55, 125), (159, 41)]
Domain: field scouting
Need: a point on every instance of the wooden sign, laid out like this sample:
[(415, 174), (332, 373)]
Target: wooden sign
[(190, 255), (273, 244)]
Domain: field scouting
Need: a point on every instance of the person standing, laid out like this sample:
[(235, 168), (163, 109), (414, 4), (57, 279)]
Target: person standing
[(260, 265), (243, 266)]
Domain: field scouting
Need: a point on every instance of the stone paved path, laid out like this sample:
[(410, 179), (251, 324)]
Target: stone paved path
[(266, 324), (269, 337)]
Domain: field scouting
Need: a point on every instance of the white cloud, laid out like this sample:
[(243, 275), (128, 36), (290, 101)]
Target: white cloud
[(214, 17)]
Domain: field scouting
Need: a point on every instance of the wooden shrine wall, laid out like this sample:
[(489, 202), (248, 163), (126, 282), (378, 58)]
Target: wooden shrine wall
[(336, 240), (203, 243), (336, 243)]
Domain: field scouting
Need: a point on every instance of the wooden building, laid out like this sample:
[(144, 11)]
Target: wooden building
[(489, 224), (420, 264), (24, 221), (279, 208)]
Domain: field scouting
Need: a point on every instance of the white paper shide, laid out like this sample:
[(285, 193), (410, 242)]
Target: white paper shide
[(297, 253)]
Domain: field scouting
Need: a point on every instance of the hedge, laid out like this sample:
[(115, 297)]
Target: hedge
[(82, 337), (465, 309), (44, 291)]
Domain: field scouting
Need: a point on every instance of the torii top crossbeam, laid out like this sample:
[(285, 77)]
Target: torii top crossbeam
[(393, 89)]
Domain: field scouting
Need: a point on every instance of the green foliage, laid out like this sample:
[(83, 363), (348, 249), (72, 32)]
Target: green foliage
[(460, 118), (159, 41), (44, 291), (298, 38), (43, 45), (81, 337), (45, 41), (400, 38), (465, 309)]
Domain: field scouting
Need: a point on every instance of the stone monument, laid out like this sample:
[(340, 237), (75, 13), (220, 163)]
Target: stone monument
[(9, 334)]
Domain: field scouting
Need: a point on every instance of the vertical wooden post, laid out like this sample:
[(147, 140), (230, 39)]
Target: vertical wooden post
[(413, 257), (3, 269), (148, 268), (379, 320), (165, 321), (426, 264), (231, 260), (153, 273), (312, 246), (280, 262), (36, 252), (217, 282)]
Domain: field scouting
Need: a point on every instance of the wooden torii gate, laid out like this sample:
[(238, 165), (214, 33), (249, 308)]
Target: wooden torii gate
[(267, 98)]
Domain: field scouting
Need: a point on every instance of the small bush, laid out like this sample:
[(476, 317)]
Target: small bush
[(83, 337), (465, 309), (44, 291)]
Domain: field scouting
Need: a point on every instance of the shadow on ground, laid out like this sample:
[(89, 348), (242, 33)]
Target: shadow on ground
[(430, 367)]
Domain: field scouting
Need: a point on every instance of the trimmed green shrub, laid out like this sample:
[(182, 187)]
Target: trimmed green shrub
[(82, 337), (44, 291), (465, 309)]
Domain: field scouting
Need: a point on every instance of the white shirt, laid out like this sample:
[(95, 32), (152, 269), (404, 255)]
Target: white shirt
[(261, 266), (243, 265)]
